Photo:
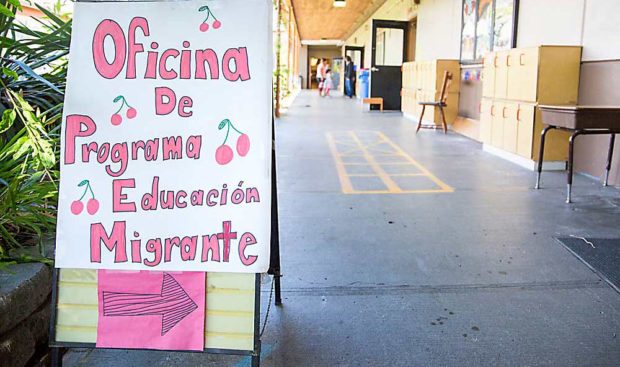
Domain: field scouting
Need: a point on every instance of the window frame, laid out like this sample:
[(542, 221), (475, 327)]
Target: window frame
[(478, 58)]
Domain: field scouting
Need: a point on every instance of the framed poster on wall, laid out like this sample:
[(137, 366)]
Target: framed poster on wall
[(487, 25)]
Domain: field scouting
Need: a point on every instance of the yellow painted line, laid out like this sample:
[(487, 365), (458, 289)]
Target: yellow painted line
[(345, 183), (406, 174), (366, 141), (389, 183), (423, 169), (363, 175)]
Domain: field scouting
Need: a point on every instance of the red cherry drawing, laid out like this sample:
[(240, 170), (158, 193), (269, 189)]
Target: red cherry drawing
[(76, 207), (243, 144), (116, 119), (92, 206), (131, 113), (223, 154), (204, 26)]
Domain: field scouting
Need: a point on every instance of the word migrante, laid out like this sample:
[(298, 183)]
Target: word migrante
[(213, 247)]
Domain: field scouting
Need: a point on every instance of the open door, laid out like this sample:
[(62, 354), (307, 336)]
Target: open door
[(356, 54), (389, 38)]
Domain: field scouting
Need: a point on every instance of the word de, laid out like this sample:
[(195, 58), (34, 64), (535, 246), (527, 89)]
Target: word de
[(166, 100)]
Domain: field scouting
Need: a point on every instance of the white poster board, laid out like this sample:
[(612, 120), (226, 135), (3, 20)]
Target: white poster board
[(166, 140)]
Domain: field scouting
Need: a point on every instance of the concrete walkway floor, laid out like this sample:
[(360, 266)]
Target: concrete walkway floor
[(472, 277)]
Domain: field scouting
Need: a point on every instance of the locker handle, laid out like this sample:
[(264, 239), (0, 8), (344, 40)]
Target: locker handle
[(504, 112), (495, 61), (519, 114), (493, 110), (508, 60), (521, 62), (480, 107)]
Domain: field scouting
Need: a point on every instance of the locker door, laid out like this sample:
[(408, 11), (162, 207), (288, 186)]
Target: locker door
[(523, 74), (525, 133), (509, 114), (497, 131), (488, 76), (501, 74), (486, 120)]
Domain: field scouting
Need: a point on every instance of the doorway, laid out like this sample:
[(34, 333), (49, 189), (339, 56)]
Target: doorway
[(356, 53), (389, 40)]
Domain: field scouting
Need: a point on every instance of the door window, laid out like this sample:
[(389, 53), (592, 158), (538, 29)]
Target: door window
[(389, 46)]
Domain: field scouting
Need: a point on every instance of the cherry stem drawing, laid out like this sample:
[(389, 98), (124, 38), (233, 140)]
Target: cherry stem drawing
[(228, 124), (209, 13), (86, 189), (121, 98)]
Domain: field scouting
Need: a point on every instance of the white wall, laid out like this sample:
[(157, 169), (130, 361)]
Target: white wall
[(550, 22), (392, 10), (303, 65), (439, 30), (601, 30), (590, 23)]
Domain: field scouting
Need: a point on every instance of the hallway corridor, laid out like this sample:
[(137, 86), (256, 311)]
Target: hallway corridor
[(420, 250)]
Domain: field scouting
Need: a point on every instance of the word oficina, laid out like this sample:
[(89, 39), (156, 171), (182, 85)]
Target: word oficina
[(167, 64)]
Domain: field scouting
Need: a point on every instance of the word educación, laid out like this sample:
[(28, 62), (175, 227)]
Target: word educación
[(215, 247)]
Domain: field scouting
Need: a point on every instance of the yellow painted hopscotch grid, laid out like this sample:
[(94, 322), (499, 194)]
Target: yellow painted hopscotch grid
[(368, 162)]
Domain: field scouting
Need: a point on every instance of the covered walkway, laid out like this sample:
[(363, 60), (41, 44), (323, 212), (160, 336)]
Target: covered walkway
[(439, 254)]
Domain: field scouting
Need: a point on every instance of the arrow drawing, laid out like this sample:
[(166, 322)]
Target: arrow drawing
[(173, 304)]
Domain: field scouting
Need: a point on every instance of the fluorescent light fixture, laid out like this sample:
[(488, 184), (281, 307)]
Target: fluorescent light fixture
[(340, 3)]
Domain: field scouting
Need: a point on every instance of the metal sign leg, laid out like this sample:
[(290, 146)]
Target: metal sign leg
[(274, 263)]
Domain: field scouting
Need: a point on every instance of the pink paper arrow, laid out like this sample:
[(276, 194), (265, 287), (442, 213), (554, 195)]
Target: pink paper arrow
[(173, 304)]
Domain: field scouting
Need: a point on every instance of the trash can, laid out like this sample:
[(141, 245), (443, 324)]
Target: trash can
[(364, 83)]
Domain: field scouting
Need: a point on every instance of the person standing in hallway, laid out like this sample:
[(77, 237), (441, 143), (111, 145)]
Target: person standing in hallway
[(320, 74), (328, 84), (349, 77)]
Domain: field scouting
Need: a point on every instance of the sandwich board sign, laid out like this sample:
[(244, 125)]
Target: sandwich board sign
[(165, 193)]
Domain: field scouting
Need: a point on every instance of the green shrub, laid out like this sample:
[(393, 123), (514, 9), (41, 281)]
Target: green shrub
[(34, 68)]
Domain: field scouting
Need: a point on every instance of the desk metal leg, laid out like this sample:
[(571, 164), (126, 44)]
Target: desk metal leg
[(541, 153), (610, 153), (569, 174)]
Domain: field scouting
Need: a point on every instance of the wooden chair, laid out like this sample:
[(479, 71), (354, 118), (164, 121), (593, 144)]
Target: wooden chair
[(443, 97)]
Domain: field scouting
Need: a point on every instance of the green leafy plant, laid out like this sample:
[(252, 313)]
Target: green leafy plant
[(32, 80)]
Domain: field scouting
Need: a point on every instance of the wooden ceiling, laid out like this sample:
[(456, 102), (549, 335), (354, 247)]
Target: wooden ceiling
[(319, 19)]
